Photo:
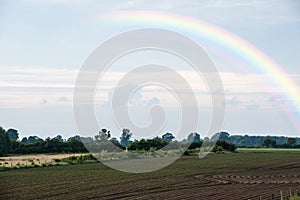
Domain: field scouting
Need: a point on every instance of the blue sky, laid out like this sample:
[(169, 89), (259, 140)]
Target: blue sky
[(43, 44)]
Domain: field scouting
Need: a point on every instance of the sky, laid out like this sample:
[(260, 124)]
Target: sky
[(43, 45)]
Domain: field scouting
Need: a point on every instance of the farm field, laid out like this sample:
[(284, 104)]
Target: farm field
[(246, 175), (265, 150)]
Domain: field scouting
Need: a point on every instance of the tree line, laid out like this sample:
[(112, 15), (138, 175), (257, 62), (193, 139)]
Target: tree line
[(10, 143), (260, 141)]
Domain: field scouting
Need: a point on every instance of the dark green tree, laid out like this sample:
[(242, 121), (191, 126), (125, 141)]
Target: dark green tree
[(24, 140), (156, 143), (103, 135), (291, 141), (33, 139), (60, 138), (13, 134), (168, 137), (224, 145), (4, 142), (125, 137), (269, 143), (193, 137), (75, 146), (220, 136)]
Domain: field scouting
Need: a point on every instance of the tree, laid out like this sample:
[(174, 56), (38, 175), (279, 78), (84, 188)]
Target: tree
[(76, 137), (155, 143), (193, 137), (4, 142), (224, 145), (59, 137), (291, 141), (117, 144), (114, 140), (55, 146), (33, 139), (220, 136), (13, 134), (103, 135), (168, 137), (269, 143), (24, 140), (86, 139), (125, 137), (75, 146), (224, 136)]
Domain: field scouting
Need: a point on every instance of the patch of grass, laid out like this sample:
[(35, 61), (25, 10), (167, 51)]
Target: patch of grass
[(268, 150)]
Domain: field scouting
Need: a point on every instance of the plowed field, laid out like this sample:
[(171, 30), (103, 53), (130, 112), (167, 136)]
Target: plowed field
[(249, 175)]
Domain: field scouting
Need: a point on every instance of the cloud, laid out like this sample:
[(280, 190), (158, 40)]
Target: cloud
[(233, 101), (153, 101), (26, 77), (44, 101), (275, 99), (254, 106), (25, 87), (63, 99)]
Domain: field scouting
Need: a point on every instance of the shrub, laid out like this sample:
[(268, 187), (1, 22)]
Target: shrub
[(217, 149), (222, 145)]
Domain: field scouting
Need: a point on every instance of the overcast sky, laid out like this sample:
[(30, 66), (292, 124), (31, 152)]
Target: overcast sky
[(43, 45)]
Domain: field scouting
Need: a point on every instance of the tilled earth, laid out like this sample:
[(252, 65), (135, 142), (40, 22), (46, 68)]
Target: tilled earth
[(227, 176)]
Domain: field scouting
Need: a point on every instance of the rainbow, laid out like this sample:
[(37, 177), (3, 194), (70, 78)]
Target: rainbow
[(233, 43)]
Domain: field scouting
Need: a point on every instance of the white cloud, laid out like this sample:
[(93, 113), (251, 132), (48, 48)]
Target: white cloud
[(27, 87)]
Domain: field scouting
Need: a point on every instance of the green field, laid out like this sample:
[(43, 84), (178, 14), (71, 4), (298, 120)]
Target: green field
[(248, 175), (267, 150)]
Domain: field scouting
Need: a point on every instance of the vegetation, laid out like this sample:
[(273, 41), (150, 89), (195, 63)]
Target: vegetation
[(266, 150), (5, 144), (10, 143), (125, 137), (259, 141), (155, 143), (223, 145), (53, 145)]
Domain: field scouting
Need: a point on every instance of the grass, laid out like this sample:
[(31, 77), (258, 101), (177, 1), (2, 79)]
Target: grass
[(263, 150), (187, 178)]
